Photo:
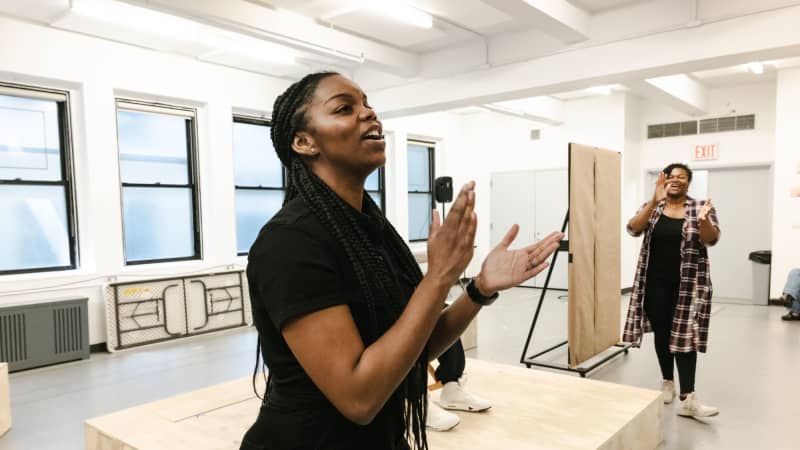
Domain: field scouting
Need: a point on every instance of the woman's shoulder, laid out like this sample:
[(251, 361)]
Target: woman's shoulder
[(293, 226)]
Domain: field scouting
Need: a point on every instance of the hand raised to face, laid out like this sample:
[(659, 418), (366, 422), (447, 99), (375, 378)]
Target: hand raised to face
[(660, 192)]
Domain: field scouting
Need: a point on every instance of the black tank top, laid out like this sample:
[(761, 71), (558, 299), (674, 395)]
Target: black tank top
[(665, 249)]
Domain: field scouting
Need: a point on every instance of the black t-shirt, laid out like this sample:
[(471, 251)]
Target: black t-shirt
[(665, 249), (297, 267)]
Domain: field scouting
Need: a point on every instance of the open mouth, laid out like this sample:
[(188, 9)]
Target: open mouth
[(375, 133), (372, 136)]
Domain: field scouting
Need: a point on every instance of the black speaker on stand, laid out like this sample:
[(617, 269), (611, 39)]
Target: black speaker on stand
[(443, 191)]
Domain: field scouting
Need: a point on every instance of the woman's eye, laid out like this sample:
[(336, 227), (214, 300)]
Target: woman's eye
[(344, 108)]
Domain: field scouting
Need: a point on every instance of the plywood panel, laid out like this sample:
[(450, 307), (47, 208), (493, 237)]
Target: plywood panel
[(531, 410), (580, 322), (608, 188), (594, 244), (5, 400)]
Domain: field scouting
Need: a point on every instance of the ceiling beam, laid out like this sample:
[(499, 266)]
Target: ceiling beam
[(545, 109), (557, 18), (756, 37), (679, 92), (292, 30)]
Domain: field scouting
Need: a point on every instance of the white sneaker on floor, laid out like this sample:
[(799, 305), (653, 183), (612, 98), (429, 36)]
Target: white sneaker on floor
[(668, 391), (691, 407), (439, 419), (454, 396)]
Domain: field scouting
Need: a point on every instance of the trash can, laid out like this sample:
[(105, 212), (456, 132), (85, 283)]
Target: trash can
[(762, 262)]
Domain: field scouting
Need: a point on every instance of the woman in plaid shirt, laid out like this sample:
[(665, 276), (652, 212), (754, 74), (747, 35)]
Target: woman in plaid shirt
[(672, 290)]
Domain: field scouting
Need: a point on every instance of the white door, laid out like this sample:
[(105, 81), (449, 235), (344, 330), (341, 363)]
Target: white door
[(552, 202), (742, 198), (513, 201)]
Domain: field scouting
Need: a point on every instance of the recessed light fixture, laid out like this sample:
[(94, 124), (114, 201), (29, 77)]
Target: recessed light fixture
[(181, 29), (402, 12), (600, 90), (391, 9), (756, 68)]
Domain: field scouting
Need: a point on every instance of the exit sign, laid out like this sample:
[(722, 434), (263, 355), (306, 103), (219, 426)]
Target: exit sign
[(703, 152)]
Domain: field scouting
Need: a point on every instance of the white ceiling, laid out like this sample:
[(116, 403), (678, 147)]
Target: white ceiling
[(467, 36), (596, 6)]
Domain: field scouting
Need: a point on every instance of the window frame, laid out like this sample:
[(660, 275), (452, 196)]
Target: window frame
[(239, 118), (133, 105), (63, 108), (431, 146), (381, 188)]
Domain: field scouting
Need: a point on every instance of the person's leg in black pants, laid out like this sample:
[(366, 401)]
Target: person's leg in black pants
[(451, 364), (449, 373), (659, 305), (687, 366)]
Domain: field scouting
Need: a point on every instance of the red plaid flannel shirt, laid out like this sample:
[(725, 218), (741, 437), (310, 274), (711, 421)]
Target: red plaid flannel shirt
[(693, 311)]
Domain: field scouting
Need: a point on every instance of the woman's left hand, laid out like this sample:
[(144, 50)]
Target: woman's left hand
[(704, 210), (504, 268)]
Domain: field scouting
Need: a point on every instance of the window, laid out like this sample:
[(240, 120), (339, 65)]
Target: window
[(159, 186), (420, 189), (259, 178), (37, 229), (376, 188)]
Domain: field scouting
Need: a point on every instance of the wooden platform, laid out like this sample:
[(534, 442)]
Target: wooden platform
[(532, 410), (5, 400)]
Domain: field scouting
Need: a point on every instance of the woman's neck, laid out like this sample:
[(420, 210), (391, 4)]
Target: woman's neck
[(676, 201), (350, 189)]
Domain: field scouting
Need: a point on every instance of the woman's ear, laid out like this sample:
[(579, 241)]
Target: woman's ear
[(303, 144)]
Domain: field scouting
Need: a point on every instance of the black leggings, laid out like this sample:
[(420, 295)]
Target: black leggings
[(661, 297), (451, 363)]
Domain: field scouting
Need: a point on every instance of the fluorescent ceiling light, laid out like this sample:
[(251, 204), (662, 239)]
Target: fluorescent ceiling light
[(178, 28), (402, 12), (755, 67), (600, 90), (392, 9)]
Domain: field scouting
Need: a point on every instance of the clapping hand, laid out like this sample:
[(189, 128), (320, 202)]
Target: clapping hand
[(504, 268), (702, 217), (661, 188)]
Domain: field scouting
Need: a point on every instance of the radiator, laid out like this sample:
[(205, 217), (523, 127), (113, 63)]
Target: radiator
[(40, 334), (158, 310)]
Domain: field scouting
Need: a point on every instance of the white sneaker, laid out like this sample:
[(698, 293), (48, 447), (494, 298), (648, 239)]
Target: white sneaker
[(691, 407), (439, 419), (453, 396), (667, 391)]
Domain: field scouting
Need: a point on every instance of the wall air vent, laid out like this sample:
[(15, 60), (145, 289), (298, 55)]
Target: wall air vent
[(671, 129), (704, 126)]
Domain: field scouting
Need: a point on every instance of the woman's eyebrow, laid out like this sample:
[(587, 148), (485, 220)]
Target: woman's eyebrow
[(342, 95)]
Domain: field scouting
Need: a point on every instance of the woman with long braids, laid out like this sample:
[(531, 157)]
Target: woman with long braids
[(347, 322)]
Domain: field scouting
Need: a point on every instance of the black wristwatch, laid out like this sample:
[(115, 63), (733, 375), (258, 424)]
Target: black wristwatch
[(476, 296)]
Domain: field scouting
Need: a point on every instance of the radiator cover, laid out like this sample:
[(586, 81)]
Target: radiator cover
[(40, 334)]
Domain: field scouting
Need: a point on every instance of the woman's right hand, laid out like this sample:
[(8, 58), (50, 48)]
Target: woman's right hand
[(661, 188), (451, 244)]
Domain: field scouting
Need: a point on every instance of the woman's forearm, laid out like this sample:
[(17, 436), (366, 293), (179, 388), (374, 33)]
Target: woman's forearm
[(709, 234), (451, 323), (638, 223)]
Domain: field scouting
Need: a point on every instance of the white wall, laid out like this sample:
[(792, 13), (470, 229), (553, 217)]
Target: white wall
[(786, 217), (631, 186), (735, 147), (95, 71)]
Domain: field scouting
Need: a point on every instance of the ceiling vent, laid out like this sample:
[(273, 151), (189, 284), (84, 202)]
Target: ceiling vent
[(671, 129), (713, 125)]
